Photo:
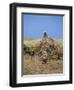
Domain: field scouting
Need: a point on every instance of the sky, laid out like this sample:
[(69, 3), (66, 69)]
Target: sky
[(35, 25)]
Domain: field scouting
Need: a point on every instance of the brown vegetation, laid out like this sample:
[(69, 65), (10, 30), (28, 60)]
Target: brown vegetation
[(44, 57)]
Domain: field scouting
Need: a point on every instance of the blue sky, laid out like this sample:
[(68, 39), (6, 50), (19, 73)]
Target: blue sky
[(35, 25)]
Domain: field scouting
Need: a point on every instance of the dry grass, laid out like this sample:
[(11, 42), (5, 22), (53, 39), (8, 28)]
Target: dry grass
[(32, 67), (31, 42)]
